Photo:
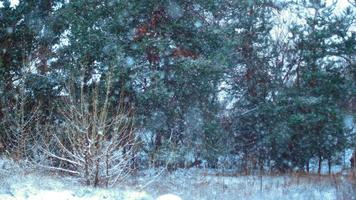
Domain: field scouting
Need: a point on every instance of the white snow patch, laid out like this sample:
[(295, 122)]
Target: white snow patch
[(169, 197), (17, 182)]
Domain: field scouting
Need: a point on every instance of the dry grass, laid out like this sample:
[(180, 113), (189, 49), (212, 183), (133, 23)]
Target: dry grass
[(200, 184)]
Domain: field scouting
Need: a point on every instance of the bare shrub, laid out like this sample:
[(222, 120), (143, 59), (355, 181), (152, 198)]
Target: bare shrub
[(94, 139), (21, 116)]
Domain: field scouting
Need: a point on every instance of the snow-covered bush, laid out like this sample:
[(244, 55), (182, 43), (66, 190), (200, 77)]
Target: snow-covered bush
[(94, 140)]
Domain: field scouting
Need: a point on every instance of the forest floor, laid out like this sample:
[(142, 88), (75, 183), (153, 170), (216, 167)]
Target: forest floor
[(18, 183)]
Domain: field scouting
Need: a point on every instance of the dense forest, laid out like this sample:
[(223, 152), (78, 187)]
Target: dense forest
[(102, 88)]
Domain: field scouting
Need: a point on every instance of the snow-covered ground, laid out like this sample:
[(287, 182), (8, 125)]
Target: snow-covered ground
[(194, 184)]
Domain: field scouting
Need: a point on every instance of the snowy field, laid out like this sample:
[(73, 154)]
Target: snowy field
[(17, 183)]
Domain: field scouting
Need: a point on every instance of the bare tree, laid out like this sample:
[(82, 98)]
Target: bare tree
[(94, 139)]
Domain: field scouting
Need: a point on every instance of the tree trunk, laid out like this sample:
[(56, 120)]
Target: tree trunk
[(107, 167), (97, 179), (158, 144), (86, 169), (1, 111), (353, 160), (319, 165)]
